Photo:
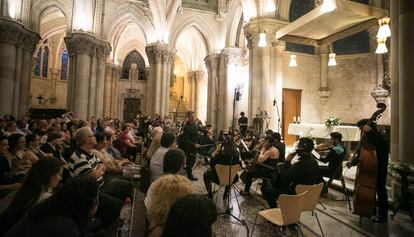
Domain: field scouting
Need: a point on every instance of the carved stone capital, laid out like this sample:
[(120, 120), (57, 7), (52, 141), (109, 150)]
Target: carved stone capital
[(80, 43), (16, 34), (265, 25), (195, 75), (323, 94), (222, 8), (233, 56), (379, 94), (212, 62), (160, 53)]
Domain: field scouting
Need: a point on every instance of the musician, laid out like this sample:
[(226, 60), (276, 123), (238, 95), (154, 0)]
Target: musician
[(374, 137), (305, 171), (281, 147), (335, 156), (191, 145), (226, 153), (242, 122), (264, 166)]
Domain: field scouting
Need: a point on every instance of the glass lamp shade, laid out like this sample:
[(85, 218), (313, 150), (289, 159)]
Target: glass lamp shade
[(332, 60), (382, 47), (293, 62), (262, 40), (384, 29)]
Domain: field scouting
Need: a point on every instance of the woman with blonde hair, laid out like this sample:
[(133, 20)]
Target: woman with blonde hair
[(161, 195)]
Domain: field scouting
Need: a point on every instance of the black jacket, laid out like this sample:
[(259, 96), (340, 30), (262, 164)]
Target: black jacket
[(190, 138)]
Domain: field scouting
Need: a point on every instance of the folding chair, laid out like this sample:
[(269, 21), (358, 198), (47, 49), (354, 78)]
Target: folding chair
[(226, 175)]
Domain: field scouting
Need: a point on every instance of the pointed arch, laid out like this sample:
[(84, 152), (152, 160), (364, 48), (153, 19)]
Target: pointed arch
[(133, 57), (65, 6)]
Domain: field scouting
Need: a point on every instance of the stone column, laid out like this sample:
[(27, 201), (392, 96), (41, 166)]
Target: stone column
[(266, 71), (83, 50), (196, 78), (160, 58), (100, 85), (323, 91), (231, 63), (54, 72), (212, 64), (193, 80), (16, 45), (406, 82), (116, 76), (107, 91), (394, 68)]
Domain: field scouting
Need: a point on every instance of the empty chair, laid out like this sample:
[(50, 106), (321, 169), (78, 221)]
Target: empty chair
[(290, 208), (311, 199)]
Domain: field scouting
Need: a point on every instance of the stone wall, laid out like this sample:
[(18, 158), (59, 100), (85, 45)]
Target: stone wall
[(43, 87)]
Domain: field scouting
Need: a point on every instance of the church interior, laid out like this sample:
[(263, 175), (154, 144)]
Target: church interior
[(300, 68)]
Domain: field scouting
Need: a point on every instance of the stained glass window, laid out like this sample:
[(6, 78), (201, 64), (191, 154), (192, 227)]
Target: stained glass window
[(133, 57), (36, 69), (45, 62), (65, 65)]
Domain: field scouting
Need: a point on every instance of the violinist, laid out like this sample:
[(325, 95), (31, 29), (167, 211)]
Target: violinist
[(334, 157), (264, 166), (374, 137)]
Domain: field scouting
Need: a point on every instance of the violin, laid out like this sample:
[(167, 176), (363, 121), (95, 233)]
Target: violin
[(324, 147)]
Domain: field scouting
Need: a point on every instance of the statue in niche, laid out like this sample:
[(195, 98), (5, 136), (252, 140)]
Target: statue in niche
[(133, 72)]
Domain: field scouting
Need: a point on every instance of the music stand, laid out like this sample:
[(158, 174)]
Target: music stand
[(278, 114), (237, 95)]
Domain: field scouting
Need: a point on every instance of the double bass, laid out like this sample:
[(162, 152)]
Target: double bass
[(366, 175)]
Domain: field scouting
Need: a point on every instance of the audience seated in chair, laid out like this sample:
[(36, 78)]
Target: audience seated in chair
[(67, 213), (37, 186), (20, 162), (162, 194), (7, 181), (168, 141), (190, 216), (305, 171)]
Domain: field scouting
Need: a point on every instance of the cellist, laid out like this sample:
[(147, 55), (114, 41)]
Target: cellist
[(374, 137)]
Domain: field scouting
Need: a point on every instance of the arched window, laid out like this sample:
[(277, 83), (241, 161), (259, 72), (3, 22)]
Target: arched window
[(36, 69), (133, 57), (299, 8), (45, 62), (64, 65)]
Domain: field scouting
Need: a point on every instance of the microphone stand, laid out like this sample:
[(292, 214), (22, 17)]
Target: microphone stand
[(228, 208), (278, 115)]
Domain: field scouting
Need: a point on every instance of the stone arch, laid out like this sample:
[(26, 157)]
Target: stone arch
[(202, 28), (125, 14), (283, 9), (128, 48), (236, 15), (65, 6)]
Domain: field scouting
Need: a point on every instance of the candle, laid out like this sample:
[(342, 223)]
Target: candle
[(294, 119), (298, 119)]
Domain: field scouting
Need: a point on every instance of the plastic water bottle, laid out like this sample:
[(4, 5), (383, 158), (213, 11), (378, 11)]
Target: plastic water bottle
[(125, 217)]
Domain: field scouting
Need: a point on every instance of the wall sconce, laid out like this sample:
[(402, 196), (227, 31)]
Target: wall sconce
[(382, 47), (384, 30), (332, 60), (293, 62)]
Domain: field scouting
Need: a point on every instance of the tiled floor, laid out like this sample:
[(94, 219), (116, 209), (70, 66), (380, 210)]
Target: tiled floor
[(336, 220)]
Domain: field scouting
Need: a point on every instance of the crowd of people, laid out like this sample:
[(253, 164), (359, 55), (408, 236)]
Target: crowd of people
[(69, 172)]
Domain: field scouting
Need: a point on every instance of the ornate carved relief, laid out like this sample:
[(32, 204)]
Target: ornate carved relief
[(324, 93), (14, 33), (212, 62), (160, 53), (233, 56), (262, 25), (38, 6), (86, 44)]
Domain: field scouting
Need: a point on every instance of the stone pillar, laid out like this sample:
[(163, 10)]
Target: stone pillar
[(16, 46), (107, 91), (160, 58), (212, 64), (196, 79), (394, 68), (266, 70), (231, 63), (100, 85), (82, 90), (323, 91), (406, 82), (54, 72)]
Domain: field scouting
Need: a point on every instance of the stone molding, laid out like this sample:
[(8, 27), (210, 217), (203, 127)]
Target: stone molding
[(222, 9), (81, 43), (263, 25), (233, 56), (212, 61), (16, 34), (323, 94), (195, 75), (160, 53)]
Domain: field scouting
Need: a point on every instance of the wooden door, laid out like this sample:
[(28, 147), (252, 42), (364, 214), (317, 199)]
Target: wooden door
[(131, 108), (291, 106)]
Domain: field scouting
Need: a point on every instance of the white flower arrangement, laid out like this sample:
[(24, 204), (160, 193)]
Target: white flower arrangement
[(332, 121)]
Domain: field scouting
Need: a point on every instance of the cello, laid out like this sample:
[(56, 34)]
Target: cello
[(366, 175)]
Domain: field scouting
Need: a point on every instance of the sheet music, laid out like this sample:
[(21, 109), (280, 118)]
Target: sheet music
[(316, 154)]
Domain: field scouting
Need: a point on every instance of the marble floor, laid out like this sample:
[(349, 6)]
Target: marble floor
[(336, 219)]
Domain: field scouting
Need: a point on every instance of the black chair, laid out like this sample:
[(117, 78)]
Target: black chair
[(337, 175)]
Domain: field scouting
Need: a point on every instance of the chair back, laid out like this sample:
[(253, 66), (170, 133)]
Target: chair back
[(226, 173), (312, 195), (291, 207)]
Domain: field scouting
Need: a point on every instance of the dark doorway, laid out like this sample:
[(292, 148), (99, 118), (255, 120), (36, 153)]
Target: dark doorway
[(131, 108)]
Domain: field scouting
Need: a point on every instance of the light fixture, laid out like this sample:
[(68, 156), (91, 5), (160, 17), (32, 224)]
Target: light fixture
[(262, 40), (328, 6), (384, 29), (293, 62), (332, 60), (270, 6), (382, 47)]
